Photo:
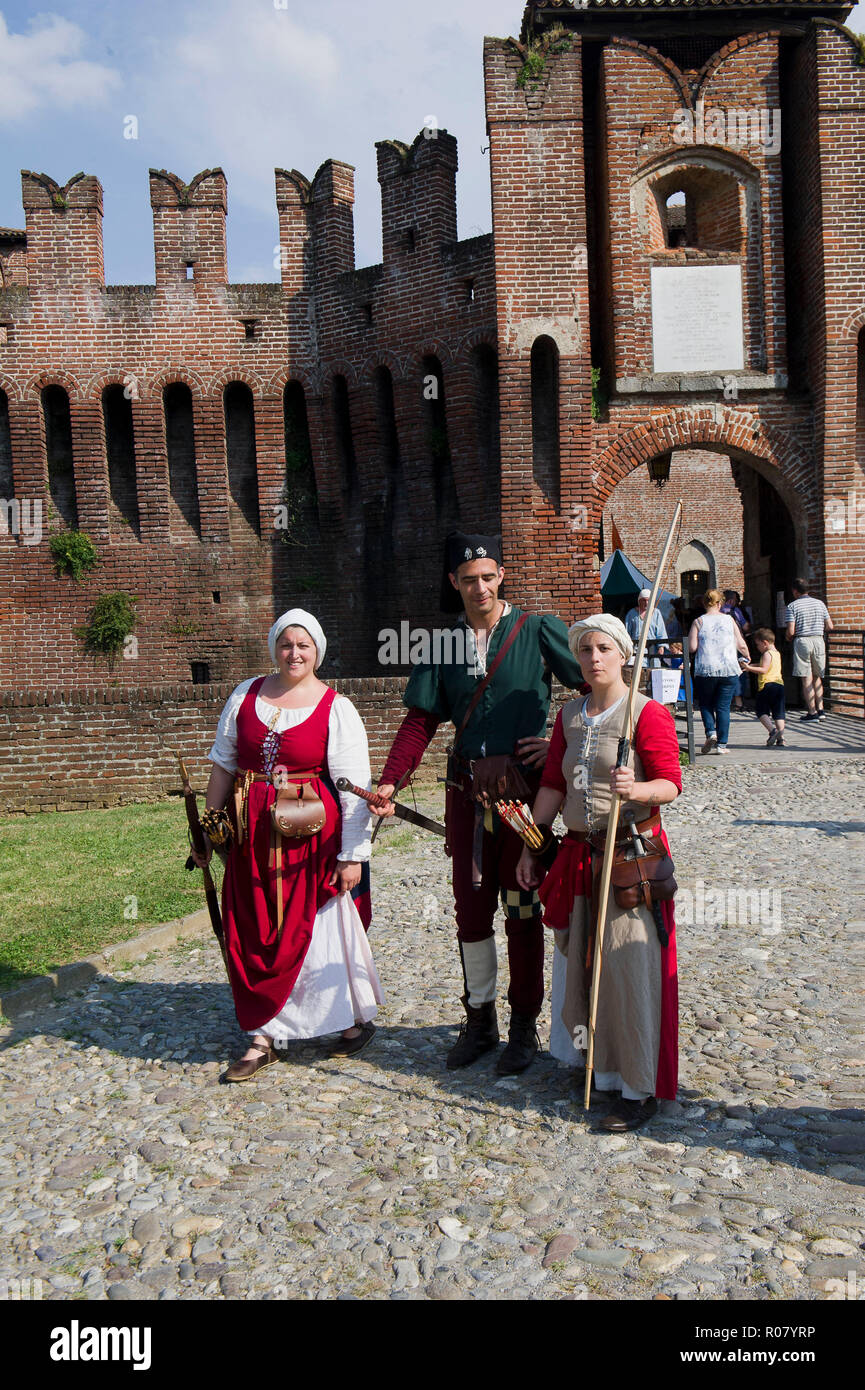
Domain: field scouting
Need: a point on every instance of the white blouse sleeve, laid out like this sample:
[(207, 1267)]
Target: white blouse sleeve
[(224, 750), (348, 756)]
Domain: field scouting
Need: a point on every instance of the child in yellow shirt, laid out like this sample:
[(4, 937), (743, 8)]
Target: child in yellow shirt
[(770, 708)]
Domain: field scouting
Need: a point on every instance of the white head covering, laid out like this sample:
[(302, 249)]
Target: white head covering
[(644, 593), (602, 622), (298, 617)]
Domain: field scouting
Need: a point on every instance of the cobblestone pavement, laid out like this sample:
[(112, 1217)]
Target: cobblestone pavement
[(128, 1172)]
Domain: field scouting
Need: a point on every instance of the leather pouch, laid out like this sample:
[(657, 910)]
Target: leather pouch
[(499, 778), (297, 813), (645, 880)]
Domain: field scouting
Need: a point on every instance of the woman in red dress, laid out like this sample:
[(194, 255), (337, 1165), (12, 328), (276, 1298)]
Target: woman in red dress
[(295, 910), (636, 1034)]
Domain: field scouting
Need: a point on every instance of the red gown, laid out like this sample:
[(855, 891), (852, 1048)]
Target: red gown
[(264, 963), (571, 874)]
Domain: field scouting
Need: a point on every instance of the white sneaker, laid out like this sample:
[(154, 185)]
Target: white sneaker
[(710, 746), (720, 748)]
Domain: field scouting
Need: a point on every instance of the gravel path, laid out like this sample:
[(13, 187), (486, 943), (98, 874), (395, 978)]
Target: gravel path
[(128, 1172)]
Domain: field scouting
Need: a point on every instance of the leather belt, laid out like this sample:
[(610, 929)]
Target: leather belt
[(598, 841)]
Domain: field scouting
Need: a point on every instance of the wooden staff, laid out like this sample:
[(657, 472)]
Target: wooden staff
[(613, 823)]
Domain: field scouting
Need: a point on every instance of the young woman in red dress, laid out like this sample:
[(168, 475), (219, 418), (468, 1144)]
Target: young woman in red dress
[(636, 1034), (295, 910)]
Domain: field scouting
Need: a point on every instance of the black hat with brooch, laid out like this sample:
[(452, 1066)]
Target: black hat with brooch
[(460, 548)]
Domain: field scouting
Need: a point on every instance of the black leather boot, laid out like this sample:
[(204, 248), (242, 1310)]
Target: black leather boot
[(478, 1034), (523, 1045)]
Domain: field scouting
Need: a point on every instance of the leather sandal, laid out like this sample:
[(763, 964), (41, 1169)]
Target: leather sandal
[(244, 1070)]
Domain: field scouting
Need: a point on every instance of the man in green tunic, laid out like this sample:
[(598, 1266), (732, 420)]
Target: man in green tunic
[(507, 723)]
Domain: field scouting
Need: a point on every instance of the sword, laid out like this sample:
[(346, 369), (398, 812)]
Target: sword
[(380, 822), (404, 812)]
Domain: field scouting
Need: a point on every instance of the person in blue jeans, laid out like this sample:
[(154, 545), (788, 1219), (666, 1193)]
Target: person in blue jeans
[(718, 643)]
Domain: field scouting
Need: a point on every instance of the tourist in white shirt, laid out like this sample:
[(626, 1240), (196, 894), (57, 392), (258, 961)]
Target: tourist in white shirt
[(718, 643)]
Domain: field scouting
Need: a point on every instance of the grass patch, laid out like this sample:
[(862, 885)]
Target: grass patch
[(74, 882)]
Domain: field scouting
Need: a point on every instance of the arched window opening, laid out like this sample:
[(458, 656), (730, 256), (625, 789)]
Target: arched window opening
[(386, 416), (695, 567), (300, 496), (485, 362), (58, 450), (7, 485), (241, 457), (345, 438), (120, 452), (182, 472), (438, 443), (698, 207), (546, 457)]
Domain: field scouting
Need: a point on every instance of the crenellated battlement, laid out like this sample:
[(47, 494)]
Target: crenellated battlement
[(61, 245)]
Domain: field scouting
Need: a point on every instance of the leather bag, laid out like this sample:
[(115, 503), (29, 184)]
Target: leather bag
[(297, 812), (499, 778), (647, 879)]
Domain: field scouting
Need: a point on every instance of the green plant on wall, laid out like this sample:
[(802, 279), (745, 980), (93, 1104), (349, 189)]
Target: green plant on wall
[(599, 395), (536, 52), (860, 56), (112, 620), (73, 552)]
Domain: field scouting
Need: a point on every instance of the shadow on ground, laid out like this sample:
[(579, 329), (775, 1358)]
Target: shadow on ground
[(791, 1135)]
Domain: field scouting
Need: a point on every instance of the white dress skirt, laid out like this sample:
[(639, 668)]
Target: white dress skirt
[(338, 985)]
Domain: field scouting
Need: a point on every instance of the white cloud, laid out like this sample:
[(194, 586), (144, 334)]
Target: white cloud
[(234, 83), (42, 69)]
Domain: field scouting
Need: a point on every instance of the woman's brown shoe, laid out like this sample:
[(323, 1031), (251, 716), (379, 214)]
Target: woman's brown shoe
[(246, 1069), (629, 1114), (347, 1047)]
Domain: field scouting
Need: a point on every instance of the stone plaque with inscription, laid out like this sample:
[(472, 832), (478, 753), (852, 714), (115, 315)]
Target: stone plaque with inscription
[(697, 318)]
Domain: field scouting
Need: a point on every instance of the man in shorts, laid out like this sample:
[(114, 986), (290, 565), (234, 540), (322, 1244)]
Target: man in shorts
[(807, 621)]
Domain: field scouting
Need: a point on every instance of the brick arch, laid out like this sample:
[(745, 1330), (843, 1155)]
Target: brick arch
[(660, 61), (49, 377), (169, 376), (253, 380), (668, 160), (479, 337), (720, 430), (339, 366), (398, 366), (275, 387), (117, 376), (711, 66), (853, 324), (13, 389), (434, 348)]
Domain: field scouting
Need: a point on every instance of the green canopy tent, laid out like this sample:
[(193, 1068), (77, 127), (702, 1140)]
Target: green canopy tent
[(621, 581)]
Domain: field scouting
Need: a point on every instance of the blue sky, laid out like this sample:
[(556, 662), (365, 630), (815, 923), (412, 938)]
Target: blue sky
[(245, 85)]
